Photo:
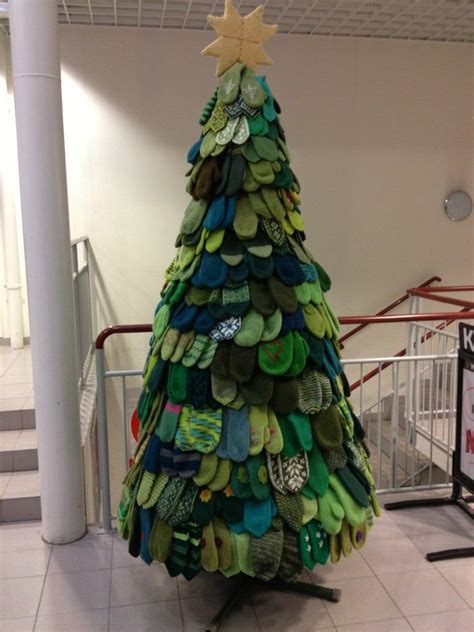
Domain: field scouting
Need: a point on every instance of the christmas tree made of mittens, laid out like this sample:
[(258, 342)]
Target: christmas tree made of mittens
[(250, 458)]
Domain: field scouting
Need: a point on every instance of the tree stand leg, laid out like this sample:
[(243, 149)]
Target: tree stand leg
[(247, 584)]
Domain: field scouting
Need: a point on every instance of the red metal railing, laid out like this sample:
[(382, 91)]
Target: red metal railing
[(368, 376), (120, 329), (383, 311), (428, 291), (466, 313), (344, 320), (431, 293)]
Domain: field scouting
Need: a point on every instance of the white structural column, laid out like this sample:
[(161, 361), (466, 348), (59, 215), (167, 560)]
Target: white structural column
[(40, 138), (10, 234)]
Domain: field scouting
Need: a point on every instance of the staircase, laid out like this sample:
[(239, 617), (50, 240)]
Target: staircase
[(19, 477), (410, 459)]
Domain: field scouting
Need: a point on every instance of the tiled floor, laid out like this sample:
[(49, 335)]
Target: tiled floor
[(95, 586), (16, 380)]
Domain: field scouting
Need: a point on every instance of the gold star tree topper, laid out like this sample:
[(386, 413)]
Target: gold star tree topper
[(240, 38)]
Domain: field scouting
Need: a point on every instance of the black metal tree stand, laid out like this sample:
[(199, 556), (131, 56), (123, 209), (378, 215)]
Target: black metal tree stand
[(245, 585)]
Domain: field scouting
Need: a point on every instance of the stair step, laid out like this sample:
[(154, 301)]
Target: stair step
[(18, 450), (19, 419), (19, 496)]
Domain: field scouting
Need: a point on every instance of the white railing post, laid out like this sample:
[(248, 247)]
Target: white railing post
[(103, 441), (410, 346), (37, 91), (394, 420), (75, 282)]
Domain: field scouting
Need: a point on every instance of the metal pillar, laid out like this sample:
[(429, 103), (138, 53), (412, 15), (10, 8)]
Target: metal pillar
[(37, 91)]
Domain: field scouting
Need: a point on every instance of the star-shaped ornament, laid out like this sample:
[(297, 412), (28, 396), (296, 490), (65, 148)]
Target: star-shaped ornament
[(240, 38)]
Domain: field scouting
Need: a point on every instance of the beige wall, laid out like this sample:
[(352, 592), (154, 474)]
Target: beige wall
[(380, 132)]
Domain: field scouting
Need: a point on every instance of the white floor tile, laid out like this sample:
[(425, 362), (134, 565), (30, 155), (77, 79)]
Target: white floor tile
[(69, 592), (150, 617), (392, 555), (205, 584), (392, 625), (12, 403), (8, 439), (422, 592), (22, 369), (458, 561), (15, 390), (19, 596), (85, 555), (8, 352), (85, 621), (22, 484), (21, 536), (348, 568), (149, 584), (290, 612), (27, 440), (462, 579), (454, 621), (385, 527), (24, 624), (5, 363), (120, 555), (459, 517), (197, 614), (440, 541), (363, 600), (24, 563), (422, 520), (4, 480), (10, 377), (29, 403)]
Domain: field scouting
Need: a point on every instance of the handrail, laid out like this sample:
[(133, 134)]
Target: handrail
[(446, 288), (404, 318), (344, 320), (425, 293), (368, 376), (120, 329), (383, 311), (447, 317), (79, 240), (81, 278)]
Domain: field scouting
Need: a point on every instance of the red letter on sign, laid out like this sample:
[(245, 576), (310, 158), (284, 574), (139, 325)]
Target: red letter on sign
[(469, 441)]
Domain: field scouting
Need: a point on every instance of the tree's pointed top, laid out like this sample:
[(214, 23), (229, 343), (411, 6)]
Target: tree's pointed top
[(240, 38)]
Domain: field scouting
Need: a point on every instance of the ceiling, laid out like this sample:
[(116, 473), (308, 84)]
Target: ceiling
[(437, 20)]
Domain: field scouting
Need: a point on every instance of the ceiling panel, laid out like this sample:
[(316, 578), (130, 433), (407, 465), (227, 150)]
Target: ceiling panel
[(439, 20)]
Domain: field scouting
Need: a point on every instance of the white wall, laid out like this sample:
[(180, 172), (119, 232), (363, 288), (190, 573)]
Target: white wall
[(9, 189), (380, 132)]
